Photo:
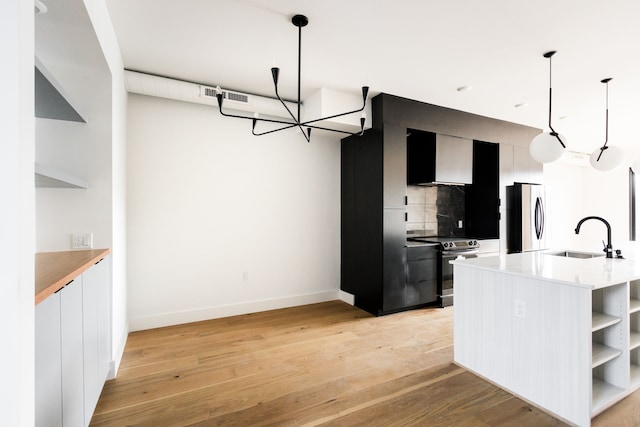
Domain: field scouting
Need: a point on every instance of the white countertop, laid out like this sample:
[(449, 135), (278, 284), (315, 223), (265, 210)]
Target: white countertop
[(588, 273)]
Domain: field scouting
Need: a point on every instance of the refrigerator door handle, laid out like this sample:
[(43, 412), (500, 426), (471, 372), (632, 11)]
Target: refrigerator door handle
[(539, 218)]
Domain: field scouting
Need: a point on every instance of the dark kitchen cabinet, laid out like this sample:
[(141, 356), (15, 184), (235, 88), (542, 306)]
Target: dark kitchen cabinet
[(482, 199), (421, 159), (373, 236), (422, 275), (374, 265)]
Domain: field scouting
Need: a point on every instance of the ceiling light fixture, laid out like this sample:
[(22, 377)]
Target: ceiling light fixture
[(39, 7), (606, 158), (548, 146), (298, 21)]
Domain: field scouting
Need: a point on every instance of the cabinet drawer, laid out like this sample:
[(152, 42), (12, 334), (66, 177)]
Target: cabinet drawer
[(421, 252)]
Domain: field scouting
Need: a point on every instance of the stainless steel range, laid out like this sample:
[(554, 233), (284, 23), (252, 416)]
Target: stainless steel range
[(450, 248)]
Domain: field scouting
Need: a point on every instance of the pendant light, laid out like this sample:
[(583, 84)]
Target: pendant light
[(548, 146), (606, 158)]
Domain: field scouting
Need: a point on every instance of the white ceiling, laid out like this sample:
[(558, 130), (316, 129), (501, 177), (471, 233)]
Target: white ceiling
[(421, 50)]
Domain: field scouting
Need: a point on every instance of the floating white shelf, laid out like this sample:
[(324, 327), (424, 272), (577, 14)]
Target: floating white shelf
[(48, 177), (51, 100), (601, 320)]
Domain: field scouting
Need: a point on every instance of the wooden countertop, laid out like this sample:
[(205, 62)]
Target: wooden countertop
[(55, 269)]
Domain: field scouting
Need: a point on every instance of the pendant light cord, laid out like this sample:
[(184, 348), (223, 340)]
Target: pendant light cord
[(606, 125), (553, 132)]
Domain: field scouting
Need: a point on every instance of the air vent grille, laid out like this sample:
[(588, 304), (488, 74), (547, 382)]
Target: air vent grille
[(210, 92)]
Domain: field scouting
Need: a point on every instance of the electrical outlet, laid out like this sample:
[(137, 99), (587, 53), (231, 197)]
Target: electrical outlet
[(460, 224), (82, 241), (520, 308), (245, 276)]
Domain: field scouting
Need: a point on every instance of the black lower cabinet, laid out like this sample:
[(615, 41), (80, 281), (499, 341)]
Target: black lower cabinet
[(422, 275)]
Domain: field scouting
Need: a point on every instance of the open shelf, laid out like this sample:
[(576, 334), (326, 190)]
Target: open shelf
[(48, 177), (602, 320), (51, 100), (601, 354), (634, 306), (634, 382), (634, 340), (603, 394)]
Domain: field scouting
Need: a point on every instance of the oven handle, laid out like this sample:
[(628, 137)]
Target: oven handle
[(461, 252)]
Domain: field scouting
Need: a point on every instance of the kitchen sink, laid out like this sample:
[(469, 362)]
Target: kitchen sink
[(575, 254)]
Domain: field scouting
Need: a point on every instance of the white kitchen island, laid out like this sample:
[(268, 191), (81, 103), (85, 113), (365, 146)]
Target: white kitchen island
[(562, 333)]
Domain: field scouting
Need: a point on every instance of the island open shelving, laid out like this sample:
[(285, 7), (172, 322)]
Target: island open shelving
[(562, 333)]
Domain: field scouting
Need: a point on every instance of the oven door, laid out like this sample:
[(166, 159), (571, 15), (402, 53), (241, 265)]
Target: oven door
[(445, 284)]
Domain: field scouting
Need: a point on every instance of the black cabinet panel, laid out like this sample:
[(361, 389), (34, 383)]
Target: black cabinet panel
[(482, 199), (421, 157), (394, 259), (394, 166), (422, 275)]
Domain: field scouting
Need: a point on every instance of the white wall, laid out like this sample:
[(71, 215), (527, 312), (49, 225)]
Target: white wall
[(17, 222), (576, 192), (101, 21), (208, 203)]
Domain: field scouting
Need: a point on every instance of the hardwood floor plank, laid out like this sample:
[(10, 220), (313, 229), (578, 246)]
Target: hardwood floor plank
[(323, 364)]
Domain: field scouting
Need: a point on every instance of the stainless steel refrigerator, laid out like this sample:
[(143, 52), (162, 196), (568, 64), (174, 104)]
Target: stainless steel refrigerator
[(526, 218)]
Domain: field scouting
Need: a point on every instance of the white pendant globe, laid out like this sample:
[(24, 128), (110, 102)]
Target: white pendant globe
[(545, 148), (611, 158)]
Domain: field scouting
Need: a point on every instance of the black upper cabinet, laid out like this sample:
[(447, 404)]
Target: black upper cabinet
[(421, 159), (482, 198)]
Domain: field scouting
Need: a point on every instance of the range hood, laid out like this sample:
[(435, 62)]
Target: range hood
[(434, 159)]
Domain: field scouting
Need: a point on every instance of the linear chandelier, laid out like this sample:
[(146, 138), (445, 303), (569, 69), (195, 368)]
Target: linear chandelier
[(299, 21), (548, 146)]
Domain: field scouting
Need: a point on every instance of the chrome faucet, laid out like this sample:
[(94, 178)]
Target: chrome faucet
[(608, 249)]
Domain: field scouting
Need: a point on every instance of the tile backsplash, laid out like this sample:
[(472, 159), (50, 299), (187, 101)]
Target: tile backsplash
[(436, 210)]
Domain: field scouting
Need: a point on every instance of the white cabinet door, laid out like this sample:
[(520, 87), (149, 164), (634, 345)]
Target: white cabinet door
[(95, 285), (72, 354), (48, 375)]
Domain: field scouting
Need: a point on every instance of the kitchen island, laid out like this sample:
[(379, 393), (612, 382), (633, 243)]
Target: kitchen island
[(560, 332)]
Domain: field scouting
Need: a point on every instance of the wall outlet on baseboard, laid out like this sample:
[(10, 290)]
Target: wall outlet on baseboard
[(82, 241)]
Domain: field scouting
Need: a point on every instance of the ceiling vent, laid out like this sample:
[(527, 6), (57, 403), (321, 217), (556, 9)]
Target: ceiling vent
[(210, 92)]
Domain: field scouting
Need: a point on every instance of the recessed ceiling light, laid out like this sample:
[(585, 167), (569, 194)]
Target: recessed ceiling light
[(464, 88), (521, 105), (563, 117)]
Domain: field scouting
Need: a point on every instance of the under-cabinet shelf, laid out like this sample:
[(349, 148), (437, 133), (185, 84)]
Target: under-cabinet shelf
[(601, 320), (49, 177), (634, 306), (601, 354), (603, 394)]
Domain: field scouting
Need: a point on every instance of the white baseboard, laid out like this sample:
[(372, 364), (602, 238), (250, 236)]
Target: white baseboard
[(346, 297), (175, 318), (118, 352)]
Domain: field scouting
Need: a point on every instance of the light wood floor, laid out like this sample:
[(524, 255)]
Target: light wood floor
[(326, 364)]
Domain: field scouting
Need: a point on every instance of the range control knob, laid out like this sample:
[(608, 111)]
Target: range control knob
[(446, 244)]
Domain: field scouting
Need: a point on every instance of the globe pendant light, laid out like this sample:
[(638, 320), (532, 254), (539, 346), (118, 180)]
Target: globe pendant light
[(548, 146), (606, 158)]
